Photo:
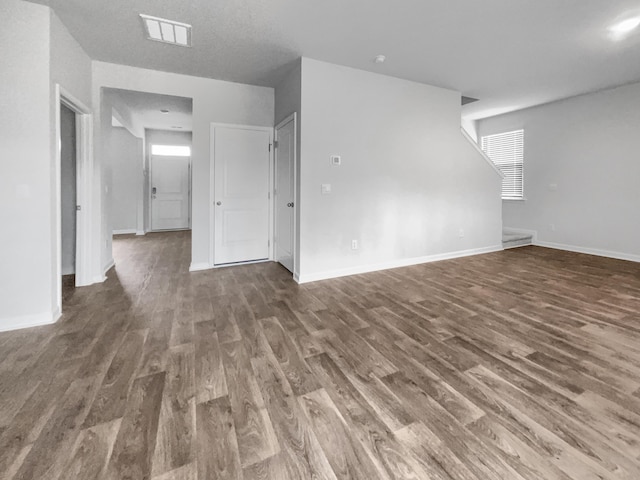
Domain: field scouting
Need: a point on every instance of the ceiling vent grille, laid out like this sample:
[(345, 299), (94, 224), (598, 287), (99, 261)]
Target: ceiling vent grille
[(167, 31)]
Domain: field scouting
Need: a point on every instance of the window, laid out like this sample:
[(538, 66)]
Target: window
[(506, 150), (171, 150)]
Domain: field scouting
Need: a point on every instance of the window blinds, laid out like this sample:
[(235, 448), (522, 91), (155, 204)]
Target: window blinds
[(506, 150)]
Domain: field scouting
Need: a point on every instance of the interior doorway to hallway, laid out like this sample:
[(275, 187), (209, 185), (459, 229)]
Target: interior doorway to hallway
[(71, 197), (68, 199)]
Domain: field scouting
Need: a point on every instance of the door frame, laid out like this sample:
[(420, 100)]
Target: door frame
[(294, 233), (150, 187), (212, 193), (84, 174)]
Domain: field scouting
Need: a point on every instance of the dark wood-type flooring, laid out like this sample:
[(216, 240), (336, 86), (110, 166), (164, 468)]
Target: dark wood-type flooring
[(522, 364)]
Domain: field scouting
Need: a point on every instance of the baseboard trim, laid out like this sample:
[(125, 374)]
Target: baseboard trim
[(314, 277), (197, 267), (589, 251), (127, 231), (110, 264), (28, 321), (140, 233)]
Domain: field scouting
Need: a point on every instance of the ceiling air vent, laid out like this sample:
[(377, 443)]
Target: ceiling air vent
[(167, 31)]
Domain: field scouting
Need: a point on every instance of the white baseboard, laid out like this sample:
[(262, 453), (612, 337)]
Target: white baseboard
[(140, 233), (197, 267), (27, 321), (314, 277), (589, 251), (127, 231), (106, 268)]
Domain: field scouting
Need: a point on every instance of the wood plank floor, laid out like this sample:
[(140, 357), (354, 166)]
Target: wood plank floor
[(522, 364)]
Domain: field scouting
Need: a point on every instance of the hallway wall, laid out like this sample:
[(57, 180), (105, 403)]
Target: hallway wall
[(37, 53), (126, 156)]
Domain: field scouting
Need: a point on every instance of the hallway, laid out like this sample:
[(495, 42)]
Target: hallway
[(521, 364)]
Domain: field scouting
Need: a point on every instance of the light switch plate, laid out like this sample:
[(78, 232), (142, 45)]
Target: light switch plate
[(336, 160), (326, 188)]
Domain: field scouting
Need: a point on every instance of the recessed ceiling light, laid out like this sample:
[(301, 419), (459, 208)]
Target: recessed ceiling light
[(167, 31), (165, 111), (625, 26), (379, 59)]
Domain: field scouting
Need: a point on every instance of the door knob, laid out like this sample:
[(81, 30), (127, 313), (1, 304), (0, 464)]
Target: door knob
[(290, 204), (218, 203)]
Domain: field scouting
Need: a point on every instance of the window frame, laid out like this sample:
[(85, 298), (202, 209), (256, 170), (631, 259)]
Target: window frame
[(517, 162)]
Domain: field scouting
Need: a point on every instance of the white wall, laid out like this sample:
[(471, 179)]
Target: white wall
[(126, 157), (213, 101), (71, 69), (25, 163), (471, 127), (589, 148), (409, 181)]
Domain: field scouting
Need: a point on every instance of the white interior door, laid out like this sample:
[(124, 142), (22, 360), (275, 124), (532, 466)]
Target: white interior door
[(68, 189), (241, 187), (284, 192), (169, 193)]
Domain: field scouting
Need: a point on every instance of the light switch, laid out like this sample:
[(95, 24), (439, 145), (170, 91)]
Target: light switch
[(326, 188), (336, 160)]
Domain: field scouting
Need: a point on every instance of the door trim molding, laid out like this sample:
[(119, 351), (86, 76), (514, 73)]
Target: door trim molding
[(294, 233), (84, 176), (212, 192)]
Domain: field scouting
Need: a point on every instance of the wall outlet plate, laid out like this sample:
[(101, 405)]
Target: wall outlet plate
[(336, 160)]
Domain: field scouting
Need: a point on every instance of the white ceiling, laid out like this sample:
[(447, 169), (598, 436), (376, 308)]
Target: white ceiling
[(508, 53), (145, 108)]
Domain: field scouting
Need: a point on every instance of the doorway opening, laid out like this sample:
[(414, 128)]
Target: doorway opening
[(170, 187), (68, 200), (134, 124), (72, 197)]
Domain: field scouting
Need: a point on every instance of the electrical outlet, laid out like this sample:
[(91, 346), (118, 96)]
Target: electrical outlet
[(354, 244), (461, 233), (552, 227)]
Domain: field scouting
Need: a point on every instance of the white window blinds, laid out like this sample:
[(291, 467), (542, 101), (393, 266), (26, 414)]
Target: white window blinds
[(506, 150)]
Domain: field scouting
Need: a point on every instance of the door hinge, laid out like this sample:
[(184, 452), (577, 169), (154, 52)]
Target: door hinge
[(268, 195), (275, 144), (268, 243)]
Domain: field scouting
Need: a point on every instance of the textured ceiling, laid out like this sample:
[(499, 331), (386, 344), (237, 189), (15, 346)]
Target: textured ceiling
[(509, 54)]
